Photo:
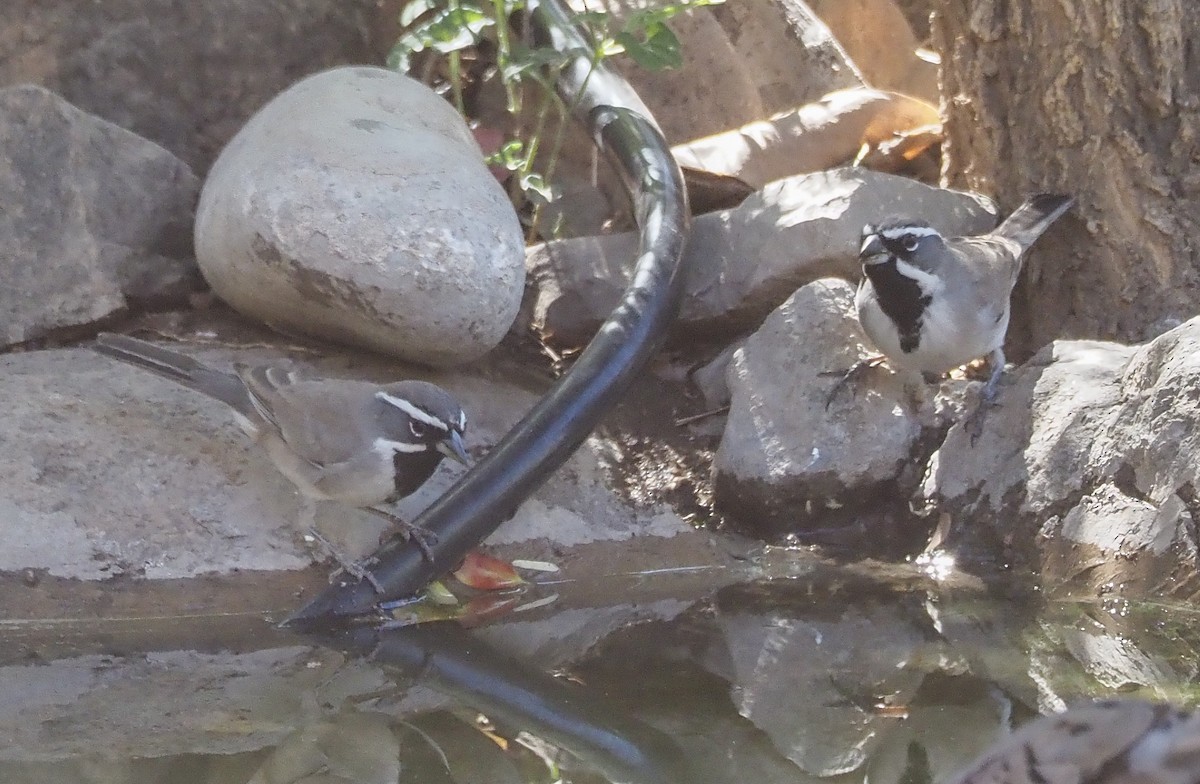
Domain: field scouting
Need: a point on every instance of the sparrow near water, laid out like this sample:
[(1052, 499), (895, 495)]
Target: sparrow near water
[(354, 442), (932, 303)]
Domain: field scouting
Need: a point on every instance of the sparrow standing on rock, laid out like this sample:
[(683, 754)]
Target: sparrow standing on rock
[(354, 442), (932, 303)]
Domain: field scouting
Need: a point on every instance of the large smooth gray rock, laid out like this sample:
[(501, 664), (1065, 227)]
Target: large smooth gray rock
[(356, 207), (746, 261), (786, 463), (1087, 469), (93, 218)]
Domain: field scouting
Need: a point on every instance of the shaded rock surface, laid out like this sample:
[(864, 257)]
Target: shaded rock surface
[(745, 261), (183, 73), (113, 471), (741, 62), (94, 218), (356, 207)]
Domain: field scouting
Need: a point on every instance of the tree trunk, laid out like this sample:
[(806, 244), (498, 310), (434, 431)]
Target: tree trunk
[(1099, 98)]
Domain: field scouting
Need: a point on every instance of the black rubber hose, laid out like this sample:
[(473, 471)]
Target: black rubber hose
[(491, 491)]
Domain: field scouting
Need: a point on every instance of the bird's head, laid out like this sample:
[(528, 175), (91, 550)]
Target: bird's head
[(418, 417), (902, 239)]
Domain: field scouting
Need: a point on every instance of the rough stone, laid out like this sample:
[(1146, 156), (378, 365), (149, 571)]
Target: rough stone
[(94, 218), (356, 207), (113, 471), (877, 37), (183, 73), (1087, 468), (788, 51), (745, 261), (786, 463), (741, 62), (817, 136)]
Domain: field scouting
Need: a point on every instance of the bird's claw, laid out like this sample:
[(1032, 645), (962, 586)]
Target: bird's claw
[(422, 537), (357, 569)]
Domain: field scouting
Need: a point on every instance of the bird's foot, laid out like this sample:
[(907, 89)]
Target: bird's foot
[(357, 569), (422, 537), (849, 376)]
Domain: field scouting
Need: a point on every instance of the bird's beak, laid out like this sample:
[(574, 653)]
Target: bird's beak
[(452, 447), (871, 246)]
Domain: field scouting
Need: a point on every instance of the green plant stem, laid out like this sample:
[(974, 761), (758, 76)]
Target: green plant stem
[(504, 55), (549, 96), (454, 60)]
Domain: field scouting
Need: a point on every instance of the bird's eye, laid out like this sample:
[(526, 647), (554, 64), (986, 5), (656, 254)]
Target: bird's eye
[(911, 242), (418, 429)]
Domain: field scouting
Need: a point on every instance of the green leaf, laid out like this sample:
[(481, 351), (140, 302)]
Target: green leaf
[(400, 56), (511, 155), (414, 9), (607, 47), (522, 60), (454, 29), (536, 189), (659, 50)]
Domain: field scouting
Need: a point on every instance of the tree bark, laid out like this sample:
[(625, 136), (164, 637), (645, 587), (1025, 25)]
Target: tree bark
[(1099, 98)]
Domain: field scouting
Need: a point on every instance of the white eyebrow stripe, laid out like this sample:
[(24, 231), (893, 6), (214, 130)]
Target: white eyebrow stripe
[(896, 232), (385, 447), (412, 411)]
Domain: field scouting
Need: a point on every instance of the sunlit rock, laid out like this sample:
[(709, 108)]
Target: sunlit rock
[(1087, 467)]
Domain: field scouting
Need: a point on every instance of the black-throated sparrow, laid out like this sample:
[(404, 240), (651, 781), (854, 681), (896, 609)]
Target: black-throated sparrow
[(354, 442), (932, 303)]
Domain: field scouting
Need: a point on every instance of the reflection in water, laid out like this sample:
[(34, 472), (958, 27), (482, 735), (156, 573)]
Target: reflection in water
[(832, 675)]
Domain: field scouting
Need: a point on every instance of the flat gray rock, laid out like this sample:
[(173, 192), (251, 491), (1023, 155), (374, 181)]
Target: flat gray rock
[(94, 218), (744, 262), (110, 470), (356, 207), (184, 74)]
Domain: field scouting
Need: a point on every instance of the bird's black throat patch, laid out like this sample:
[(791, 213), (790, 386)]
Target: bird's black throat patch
[(411, 469), (901, 300)]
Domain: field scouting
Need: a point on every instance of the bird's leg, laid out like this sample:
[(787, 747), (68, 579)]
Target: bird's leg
[(852, 375), (420, 536), (352, 568), (987, 399), (997, 361)]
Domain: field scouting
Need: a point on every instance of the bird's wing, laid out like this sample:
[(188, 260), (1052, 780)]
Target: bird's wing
[(986, 266), (321, 420)]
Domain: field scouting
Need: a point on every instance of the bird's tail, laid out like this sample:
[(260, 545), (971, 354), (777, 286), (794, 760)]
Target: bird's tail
[(177, 367), (1031, 219)]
